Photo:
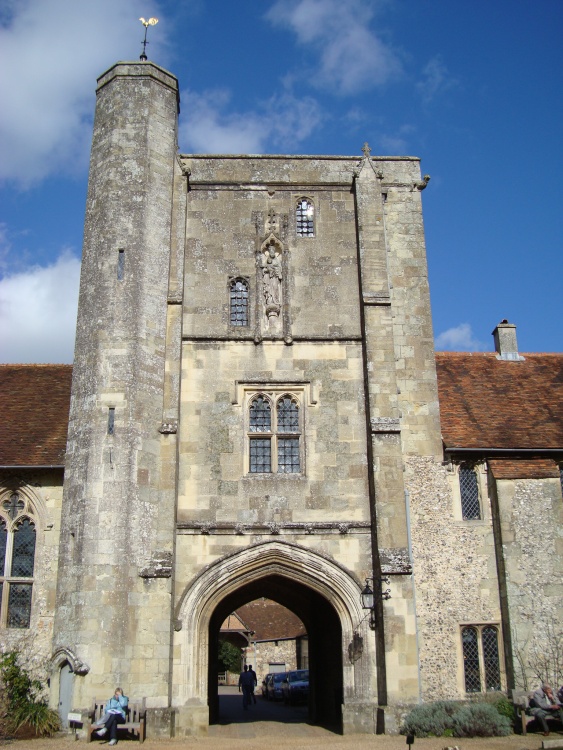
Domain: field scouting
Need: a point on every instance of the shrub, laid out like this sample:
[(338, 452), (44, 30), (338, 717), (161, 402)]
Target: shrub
[(21, 699), (505, 708), (480, 720), (430, 719), (450, 719)]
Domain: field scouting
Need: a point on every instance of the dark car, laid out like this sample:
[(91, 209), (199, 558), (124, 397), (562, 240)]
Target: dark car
[(274, 688), (295, 686)]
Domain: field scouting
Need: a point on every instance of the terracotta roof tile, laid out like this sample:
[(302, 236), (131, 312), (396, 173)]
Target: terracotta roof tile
[(34, 406), (536, 468), (490, 403), (270, 621)]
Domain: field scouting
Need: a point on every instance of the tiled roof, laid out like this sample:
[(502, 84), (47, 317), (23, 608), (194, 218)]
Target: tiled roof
[(490, 403), (535, 468), (34, 405), (270, 621)]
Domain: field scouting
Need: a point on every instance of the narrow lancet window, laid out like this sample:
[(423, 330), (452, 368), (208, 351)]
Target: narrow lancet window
[(120, 264), (238, 302), (305, 218)]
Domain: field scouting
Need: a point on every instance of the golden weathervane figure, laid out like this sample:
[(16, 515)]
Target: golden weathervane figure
[(146, 24)]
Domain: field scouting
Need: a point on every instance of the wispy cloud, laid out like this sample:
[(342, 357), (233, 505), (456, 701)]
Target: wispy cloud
[(351, 56), (436, 80), (38, 312), (460, 338), (210, 128), (51, 52)]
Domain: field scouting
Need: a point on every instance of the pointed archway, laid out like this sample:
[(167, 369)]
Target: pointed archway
[(321, 592), (325, 638)]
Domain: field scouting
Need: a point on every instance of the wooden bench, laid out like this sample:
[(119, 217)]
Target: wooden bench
[(135, 714), (521, 701)]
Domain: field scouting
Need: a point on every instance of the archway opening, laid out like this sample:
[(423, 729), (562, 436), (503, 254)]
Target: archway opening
[(324, 643)]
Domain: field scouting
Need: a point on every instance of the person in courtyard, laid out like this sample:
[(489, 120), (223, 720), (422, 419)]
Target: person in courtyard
[(253, 673), (114, 714), (544, 704), (246, 684)]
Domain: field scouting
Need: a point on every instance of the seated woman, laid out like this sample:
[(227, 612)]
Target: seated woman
[(114, 714)]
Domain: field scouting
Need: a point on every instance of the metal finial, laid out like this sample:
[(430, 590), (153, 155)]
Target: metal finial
[(146, 24)]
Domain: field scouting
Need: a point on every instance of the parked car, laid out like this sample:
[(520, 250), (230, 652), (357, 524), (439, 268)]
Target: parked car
[(295, 686), (275, 692), (265, 683)]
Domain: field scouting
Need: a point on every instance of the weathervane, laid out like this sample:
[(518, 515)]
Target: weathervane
[(146, 24)]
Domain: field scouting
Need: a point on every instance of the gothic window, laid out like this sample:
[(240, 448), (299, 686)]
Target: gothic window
[(17, 562), (469, 491), (238, 302), (274, 434), (481, 662), (305, 218)]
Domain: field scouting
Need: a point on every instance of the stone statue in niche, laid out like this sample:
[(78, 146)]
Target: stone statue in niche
[(272, 272), (272, 276)]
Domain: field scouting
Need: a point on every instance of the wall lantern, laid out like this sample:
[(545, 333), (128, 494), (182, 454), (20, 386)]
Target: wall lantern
[(368, 597)]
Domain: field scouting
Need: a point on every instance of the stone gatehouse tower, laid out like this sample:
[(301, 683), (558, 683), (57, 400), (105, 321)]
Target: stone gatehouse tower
[(254, 413)]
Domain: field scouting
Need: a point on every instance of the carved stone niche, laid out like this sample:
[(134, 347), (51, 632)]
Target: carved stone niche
[(271, 277)]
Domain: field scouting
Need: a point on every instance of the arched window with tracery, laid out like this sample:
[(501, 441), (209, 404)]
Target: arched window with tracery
[(238, 302), (481, 658), (305, 218), (17, 561), (274, 431)]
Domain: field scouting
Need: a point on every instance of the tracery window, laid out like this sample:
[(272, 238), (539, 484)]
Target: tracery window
[(274, 433), (469, 491), (481, 662), (305, 218), (238, 302), (17, 561)]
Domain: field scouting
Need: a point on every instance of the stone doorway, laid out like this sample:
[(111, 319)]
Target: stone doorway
[(325, 643)]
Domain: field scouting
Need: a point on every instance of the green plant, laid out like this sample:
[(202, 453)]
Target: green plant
[(430, 719), (230, 656), (480, 720), (21, 699)]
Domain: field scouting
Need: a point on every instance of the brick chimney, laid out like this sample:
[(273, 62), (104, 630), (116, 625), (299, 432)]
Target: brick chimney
[(506, 345)]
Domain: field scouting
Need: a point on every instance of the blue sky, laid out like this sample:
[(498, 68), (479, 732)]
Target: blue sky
[(473, 88)]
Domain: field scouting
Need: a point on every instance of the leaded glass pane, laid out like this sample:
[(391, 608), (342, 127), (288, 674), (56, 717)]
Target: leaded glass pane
[(260, 455), (260, 415), (239, 303), (491, 658), (19, 605), (13, 505), (469, 489), (288, 456), (288, 415), (304, 215), (23, 556), (3, 544), (471, 660)]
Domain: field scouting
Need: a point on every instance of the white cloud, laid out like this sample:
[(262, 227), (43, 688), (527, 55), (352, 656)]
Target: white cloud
[(436, 80), (51, 52), (459, 339), (38, 312), (352, 57), (210, 128)]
